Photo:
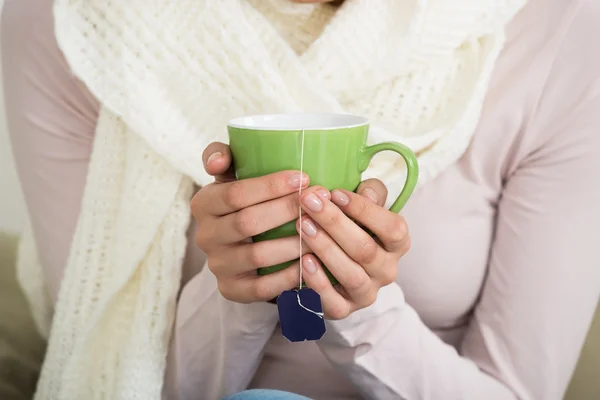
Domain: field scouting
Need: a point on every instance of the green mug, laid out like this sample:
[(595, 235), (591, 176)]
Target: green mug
[(335, 156)]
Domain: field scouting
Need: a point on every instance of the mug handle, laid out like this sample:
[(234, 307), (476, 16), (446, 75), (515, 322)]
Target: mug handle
[(412, 168)]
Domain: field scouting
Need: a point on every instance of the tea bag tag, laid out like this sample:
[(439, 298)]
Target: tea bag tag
[(301, 315)]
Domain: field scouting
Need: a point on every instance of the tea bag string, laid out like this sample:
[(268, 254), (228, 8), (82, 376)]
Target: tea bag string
[(319, 314)]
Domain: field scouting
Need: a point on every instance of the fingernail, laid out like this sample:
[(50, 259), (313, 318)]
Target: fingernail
[(371, 194), (340, 198), (213, 157), (324, 193), (297, 180), (313, 202), (309, 227), (309, 265)]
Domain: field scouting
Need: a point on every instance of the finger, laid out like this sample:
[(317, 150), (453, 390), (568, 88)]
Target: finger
[(373, 189), (335, 306), (351, 238), (390, 228), (226, 198), (217, 162), (258, 288), (257, 219), (248, 257), (349, 274)]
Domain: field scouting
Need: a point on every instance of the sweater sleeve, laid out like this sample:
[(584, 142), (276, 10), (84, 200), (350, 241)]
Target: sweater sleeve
[(537, 303), (51, 120), (543, 280)]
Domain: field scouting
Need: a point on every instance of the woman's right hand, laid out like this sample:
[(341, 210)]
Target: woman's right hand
[(229, 212)]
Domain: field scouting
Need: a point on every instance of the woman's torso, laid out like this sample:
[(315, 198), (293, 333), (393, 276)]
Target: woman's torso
[(451, 219)]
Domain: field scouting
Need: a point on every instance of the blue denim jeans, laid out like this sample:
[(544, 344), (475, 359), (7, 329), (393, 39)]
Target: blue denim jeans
[(265, 394)]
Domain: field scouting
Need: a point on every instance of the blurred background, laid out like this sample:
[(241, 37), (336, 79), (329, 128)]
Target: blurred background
[(21, 348), (11, 202)]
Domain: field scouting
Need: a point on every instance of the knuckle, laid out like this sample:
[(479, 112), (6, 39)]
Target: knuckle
[(273, 185), (262, 291), (389, 275), (367, 252), (213, 265), (406, 243), (258, 255), (205, 235), (201, 239), (226, 290), (319, 285), (363, 206), (368, 298), (332, 218), (338, 310), (245, 223), (356, 282), (292, 205), (399, 229), (197, 202), (234, 195), (291, 278), (195, 205)]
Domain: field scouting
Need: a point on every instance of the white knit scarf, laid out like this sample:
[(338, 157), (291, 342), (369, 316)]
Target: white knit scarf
[(169, 75)]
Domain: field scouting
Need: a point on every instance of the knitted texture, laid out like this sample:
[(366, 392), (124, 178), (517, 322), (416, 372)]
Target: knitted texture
[(169, 75)]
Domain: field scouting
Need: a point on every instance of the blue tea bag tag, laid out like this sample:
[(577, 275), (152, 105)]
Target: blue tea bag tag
[(301, 320)]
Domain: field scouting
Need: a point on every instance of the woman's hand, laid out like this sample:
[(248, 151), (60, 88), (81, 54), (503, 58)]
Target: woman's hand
[(229, 212), (361, 264)]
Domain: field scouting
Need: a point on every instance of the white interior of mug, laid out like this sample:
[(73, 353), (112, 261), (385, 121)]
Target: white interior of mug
[(295, 121)]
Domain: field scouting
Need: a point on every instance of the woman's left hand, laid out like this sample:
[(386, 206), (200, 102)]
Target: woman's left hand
[(362, 264)]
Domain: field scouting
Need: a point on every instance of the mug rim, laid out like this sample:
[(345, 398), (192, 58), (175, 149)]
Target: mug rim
[(298, 121)]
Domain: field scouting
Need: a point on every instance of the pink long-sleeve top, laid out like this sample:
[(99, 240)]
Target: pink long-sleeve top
[(497, 293)]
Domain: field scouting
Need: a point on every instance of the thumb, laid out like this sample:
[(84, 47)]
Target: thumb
[(218, 162), (373, 189)]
